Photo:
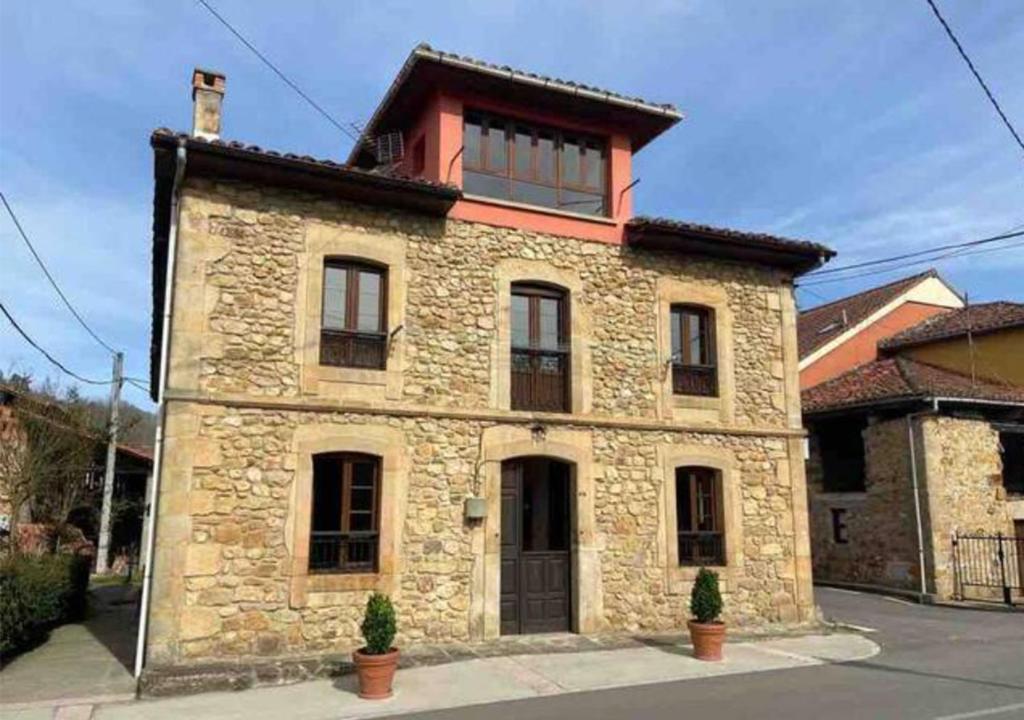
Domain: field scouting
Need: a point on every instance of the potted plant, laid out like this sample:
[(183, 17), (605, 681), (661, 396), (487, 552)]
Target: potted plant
[(707, 632), (376, 663)]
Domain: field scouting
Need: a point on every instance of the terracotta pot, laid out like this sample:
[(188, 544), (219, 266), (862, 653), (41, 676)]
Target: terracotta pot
[(375, 673), (707, 639)]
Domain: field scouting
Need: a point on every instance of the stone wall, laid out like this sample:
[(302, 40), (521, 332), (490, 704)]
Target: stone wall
[(233, 569), (881, 529), (229, 578), (964, 490), (959, 476)]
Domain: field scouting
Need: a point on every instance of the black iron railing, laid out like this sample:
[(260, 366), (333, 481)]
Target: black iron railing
[(338, 552), (695, 380), (989, 561), (540, 380), (343, 348), (701, 548)]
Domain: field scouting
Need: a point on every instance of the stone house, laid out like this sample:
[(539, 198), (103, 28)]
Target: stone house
[(457, 369), (919, 449)]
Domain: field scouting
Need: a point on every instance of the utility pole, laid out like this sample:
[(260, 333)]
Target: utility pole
[(103, 551)]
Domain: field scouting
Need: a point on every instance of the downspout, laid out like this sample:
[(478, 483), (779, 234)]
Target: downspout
[(923, 591), (158, 444)]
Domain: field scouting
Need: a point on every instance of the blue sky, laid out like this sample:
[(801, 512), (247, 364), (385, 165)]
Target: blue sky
[(850, 123)]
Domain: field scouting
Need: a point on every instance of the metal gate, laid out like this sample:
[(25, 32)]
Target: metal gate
[(989, 566)]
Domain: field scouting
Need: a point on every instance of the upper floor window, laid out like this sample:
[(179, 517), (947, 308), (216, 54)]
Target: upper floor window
[(527, 163), (841, 448), (694, 366), (699, 518), (1012, 446), (345, 527), (353, 329), (540, 348)]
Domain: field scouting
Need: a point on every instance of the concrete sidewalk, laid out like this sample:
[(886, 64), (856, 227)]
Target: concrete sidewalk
[(486, 680)]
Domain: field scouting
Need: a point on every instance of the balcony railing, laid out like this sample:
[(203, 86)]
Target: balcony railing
[(344, 348), (338, 552), (695, 380), (701, 548), (540, 380)]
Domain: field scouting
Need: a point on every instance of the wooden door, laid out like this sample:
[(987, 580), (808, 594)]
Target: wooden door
[(535, 560)]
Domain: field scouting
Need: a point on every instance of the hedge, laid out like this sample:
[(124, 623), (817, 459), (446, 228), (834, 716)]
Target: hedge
[(38, 592)]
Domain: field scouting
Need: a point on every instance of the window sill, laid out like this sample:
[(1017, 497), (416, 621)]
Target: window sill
[(327, 590), (842, 496), (357, 376), (512, 205), (704, 402)]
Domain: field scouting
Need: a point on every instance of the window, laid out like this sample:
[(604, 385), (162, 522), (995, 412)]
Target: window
[(353, 329), (346, 513), (839, 526), (1012, 444), (841, 447), (694, 366), (540, 348), (526, 163), (699, 516)]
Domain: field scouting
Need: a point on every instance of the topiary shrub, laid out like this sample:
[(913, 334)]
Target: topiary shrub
[(705, 599), (379, 625)]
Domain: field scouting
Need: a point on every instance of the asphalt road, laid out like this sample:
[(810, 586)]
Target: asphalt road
[(936, 663)]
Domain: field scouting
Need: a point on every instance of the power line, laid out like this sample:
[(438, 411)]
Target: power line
[(918, 253), (47, 355), (24, 236), (977, 75), (316, 106), (958, 253)]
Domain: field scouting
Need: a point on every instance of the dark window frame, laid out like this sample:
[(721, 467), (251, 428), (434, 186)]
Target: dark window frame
[(349, 346), (507, 127), (1011, 444), (695, 378), (839, 528), (697, 546), (345, 551), (526, 393), (842, 455)]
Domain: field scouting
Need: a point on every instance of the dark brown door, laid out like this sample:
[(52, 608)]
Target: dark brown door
[(535, 561)]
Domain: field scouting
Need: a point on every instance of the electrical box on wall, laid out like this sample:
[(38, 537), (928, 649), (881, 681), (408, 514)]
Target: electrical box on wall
[(476, 508)]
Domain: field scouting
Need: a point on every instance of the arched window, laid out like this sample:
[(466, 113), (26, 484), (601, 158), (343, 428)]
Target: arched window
[(353, 328), (700, 523), (694, 362), (345, 527), (540, 348)]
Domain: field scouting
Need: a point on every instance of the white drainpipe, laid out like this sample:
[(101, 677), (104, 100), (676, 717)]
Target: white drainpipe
[(923, 592), (158, 445)]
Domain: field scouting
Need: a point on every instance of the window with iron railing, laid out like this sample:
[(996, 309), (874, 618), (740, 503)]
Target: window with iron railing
[(700, 527), (694, 364), (540, 348), (353, 328), (345, 527), (527, 163)]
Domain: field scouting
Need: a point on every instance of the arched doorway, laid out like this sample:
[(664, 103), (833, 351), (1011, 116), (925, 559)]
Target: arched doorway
[(536, 531)]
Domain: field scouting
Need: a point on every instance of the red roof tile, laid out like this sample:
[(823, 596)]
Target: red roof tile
[(899, 378), (982, 318), (819, 325)]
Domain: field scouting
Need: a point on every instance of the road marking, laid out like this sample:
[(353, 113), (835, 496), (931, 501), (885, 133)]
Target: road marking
[(983, 713), (898, 600), (858, 628)]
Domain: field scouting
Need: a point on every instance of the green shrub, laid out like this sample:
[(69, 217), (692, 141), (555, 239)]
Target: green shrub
[(705, 599), (379, 625), (38, 592)]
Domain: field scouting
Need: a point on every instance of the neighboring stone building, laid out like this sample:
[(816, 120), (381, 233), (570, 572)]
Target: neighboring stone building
[(464, 375), (843, 334), (921, 444)]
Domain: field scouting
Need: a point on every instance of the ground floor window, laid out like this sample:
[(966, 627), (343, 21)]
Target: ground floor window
[(1012, 447), (700, 526), (345, 527)]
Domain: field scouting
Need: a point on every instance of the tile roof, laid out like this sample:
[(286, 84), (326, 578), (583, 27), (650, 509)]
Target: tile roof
[(900, 378), (258, 152), (819, 325), (668, 234), (983, 318)]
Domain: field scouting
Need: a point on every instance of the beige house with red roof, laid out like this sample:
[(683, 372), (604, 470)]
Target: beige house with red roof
[(916, 460)]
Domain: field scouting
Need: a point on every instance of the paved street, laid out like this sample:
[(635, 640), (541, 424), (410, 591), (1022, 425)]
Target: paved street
[(936, 662)]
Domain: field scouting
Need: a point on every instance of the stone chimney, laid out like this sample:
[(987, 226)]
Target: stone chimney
[(207, 96)]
